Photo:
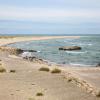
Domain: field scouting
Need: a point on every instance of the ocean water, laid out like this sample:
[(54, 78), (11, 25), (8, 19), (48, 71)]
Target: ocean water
[(49, 50)]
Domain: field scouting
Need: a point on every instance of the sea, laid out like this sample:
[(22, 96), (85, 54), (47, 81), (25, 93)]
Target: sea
[(49, 50)]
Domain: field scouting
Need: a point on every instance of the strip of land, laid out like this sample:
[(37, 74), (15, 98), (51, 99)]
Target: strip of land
[(24, 81), (8, 40)]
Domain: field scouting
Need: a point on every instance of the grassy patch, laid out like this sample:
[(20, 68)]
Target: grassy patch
[(98, 94), (69, 79), (39, 94), (44, 69), (2, 70), (56, 70), (31, 99), (12, 71)]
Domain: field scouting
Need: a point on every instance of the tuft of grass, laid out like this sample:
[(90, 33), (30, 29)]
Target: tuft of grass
[(44, 69), (56, 70), (31, 99), (69, 79), (2, 70), (12, 71), (39, 94), (98, 94)]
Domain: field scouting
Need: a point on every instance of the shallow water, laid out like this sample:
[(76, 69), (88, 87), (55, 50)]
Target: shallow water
[(48, 49)]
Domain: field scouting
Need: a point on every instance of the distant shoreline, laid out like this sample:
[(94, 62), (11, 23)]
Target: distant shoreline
[(42, 35), (4, 40)]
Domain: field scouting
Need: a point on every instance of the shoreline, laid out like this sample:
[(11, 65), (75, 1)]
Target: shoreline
[(36, 38), (76, 74), (6, 41)]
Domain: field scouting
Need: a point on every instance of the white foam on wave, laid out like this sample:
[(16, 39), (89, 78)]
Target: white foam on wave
[(27, 54), (90, 44), (38, 51), (75, 52), (84, 44), (79, 64)]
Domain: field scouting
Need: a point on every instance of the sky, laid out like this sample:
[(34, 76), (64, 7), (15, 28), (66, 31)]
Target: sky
[(49, 16)]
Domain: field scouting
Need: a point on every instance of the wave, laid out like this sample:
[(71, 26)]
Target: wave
[(38, 51), (85, 44), (90, 44), (75, 52), (80, 64)]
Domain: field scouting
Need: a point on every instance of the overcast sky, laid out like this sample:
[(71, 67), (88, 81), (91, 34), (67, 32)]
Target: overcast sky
[(50, 16)]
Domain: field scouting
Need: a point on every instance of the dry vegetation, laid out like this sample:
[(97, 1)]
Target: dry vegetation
[(12, 71), (2, 70), (31, 99), (6, 37), (56, 70), (98, 94), (44, 69), (39, 94)]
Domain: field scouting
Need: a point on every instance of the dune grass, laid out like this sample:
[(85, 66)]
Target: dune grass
[(12, 71), (44, 69), (98, 94), (55, 70), (39, 94), (31, 99), (2, 70), (69, 79)]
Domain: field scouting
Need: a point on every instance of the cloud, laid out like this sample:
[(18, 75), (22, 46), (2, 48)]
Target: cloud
[(45, 14)]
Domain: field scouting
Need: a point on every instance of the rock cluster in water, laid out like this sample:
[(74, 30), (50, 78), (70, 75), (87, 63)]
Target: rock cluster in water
[(30, 57), (14, 51), (98, 65)]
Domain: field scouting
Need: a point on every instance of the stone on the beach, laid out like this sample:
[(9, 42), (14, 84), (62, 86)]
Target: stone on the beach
[(70, 48), (28, 55), (98, 65)]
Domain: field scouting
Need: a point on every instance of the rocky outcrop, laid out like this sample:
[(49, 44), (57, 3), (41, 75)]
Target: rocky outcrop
[(70, 48), (98, 65), (11, 50), (14, 51), (35, 60), (29, 50)]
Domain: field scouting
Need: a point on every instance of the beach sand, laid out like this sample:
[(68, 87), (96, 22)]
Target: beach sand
[(8, 40), (26, 80)]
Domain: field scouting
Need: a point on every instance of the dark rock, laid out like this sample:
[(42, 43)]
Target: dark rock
[(70, 48), (98, 65), (11, 50), (29, 50)]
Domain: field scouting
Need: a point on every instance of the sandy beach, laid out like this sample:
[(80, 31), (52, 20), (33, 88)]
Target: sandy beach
[(8, 40), (25, 81)]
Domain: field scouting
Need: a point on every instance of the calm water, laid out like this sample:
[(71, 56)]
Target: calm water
[(48, 49)]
